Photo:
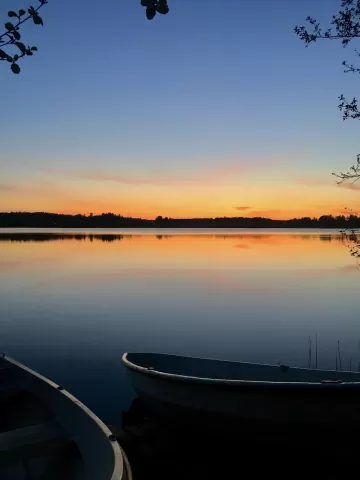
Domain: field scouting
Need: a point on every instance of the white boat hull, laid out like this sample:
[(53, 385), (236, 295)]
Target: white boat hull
[(296, 402), (48, 433)]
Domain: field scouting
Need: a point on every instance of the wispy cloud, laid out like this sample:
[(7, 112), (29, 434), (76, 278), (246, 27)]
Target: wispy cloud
[(315, 181), (210, 176), (6, 188), (350, 186), (264, 213), (329, 182), (224, 171), (242, 209)]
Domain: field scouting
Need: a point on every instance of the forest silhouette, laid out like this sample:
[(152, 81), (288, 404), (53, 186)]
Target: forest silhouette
[(111, 220)]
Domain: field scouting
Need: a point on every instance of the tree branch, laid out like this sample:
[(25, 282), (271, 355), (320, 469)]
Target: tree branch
[(20, 22), (12, 35), (347, 28), (352, 174)]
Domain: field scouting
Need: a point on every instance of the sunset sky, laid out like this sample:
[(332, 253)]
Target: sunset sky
[(216, 109)]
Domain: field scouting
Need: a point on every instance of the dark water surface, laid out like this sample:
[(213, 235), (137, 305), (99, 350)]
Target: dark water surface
[(71, 302)]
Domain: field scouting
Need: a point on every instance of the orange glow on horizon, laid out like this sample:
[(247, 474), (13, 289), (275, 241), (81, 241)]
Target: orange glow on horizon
[(270, 214), (235, 195)]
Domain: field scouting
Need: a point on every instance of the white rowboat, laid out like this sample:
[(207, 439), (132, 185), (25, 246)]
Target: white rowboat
[(187, 387), (46, 433)]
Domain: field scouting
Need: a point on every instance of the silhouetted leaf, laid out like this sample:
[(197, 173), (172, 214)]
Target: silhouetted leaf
[(34, 49), (163, 9), (29, 52), (150, 13), (16, 58), (3, 54), (37, 20), (9, 26), (12, 14), (15, 68), (21, 47), (16, 34), (21, 12), (146, 3)]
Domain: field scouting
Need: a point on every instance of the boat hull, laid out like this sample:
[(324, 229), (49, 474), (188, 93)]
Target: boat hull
[(44, 421), (170, 396)]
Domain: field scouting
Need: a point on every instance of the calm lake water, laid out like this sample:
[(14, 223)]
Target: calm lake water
[(71, 302)]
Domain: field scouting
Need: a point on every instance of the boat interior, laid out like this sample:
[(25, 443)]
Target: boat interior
[(33, 444)]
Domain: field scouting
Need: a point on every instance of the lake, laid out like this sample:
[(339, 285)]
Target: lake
[(71, 302)]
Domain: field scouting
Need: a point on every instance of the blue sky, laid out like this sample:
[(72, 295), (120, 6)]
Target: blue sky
[(210, 86)]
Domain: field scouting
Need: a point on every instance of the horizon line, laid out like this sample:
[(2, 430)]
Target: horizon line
[(161, 218)]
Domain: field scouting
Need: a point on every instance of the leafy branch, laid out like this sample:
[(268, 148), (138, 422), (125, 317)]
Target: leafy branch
[(11, 37), (352, 174), (155, 6), (350, 68), (345, 27), (346, 22), (351, 239)]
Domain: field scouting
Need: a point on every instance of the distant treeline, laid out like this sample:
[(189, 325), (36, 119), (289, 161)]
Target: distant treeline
[(110, 220)]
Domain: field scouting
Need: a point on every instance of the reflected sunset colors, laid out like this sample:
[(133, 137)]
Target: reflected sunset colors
[(247, 296)]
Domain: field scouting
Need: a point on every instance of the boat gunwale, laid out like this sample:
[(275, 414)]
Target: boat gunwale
[(240, 383), (120, 468)]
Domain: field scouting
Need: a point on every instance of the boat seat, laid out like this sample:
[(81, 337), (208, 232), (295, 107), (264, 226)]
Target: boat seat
[(20, 409), (64, 464), (31, 441)]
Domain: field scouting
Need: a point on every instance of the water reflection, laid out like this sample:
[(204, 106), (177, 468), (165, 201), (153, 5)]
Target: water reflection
[(112, 237), (72, 302), (51, 237)]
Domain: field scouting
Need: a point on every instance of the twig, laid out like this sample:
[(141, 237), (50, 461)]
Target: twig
[(340, 366)]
